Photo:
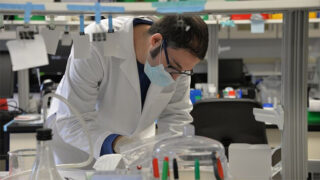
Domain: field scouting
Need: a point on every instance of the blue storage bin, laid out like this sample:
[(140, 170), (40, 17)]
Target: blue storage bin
[(195, 95)]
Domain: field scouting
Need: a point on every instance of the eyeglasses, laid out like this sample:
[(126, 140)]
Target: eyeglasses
[(171, 69)]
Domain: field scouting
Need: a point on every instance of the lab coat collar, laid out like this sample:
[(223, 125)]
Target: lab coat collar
[(120, 45), (129, 65)]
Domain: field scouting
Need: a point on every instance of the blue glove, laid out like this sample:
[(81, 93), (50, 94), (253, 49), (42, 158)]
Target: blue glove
[(106, 147)]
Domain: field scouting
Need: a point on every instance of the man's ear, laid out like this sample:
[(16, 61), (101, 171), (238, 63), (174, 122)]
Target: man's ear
[(156, 39)]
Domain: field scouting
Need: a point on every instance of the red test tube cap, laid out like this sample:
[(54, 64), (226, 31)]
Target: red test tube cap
[(155, 168)]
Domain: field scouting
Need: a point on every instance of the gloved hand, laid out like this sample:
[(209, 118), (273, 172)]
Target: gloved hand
[(121, 141), (136, 151)]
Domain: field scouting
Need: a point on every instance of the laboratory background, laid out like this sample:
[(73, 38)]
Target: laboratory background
[(255, 96)]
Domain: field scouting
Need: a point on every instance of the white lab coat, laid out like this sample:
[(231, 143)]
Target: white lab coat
[(106, 91)]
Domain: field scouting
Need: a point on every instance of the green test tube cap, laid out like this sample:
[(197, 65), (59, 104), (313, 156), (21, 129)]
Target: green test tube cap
[(196, 169), (165, 170)]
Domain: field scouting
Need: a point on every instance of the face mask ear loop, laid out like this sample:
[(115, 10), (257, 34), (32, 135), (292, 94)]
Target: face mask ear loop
[(166, 51), (160, 57)]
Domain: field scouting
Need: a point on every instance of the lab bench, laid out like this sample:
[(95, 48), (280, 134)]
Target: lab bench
[(22, 135)]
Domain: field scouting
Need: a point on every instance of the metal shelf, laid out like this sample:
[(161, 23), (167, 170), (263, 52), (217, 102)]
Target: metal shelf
[(144, 8), (265, 73), (19, 22), (15, 22), (273, 21), (268, 21)]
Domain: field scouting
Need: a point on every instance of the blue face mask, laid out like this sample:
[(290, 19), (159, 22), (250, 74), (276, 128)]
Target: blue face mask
[(158, 75)]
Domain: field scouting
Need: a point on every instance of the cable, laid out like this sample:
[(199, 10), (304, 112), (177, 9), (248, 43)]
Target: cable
[(15, 102), (13, 106), (16, 107), (82, 122)]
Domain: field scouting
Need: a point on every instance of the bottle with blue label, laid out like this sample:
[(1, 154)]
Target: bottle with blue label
[(269, 105), (239, 93)]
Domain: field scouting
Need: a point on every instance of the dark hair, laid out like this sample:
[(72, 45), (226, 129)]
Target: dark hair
[(182, 31)]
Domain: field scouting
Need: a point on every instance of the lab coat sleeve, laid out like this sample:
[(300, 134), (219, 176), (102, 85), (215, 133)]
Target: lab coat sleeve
[(80, 86), (177, 112)]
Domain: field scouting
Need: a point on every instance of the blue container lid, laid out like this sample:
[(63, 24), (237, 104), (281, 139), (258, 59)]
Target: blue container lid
[(267, 105)]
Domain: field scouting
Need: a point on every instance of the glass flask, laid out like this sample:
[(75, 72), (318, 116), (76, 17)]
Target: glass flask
[(44, 167)]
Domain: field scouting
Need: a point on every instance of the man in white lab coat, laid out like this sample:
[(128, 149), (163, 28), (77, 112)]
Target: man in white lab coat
[(143, 75)]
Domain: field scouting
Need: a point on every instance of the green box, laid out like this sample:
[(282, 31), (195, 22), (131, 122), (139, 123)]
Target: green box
[(313, 118), (33, 18), (126, 1), (205, 17)]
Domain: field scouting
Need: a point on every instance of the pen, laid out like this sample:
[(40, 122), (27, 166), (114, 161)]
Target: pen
[(175, 169), (220, 169), (167, 159), (165, 170), (155, 168), (196, 170)]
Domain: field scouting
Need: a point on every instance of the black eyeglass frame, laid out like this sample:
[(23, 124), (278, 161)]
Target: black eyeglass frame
[(187, 72)]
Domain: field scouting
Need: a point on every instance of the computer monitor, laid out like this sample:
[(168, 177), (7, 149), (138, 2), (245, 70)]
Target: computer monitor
[(6, 75), (230, 73), (198, 78), (57, 64)]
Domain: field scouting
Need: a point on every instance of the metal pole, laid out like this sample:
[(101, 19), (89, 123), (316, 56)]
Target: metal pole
[(213, 58), (294, 94), (23, 89)]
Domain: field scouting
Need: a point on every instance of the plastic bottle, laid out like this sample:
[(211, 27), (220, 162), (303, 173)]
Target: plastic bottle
[(239, 93), (268, 105), (212, 90), (44, 167), (232, 94)]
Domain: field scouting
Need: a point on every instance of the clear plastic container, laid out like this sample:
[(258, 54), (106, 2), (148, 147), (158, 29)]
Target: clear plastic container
[(186, 149)]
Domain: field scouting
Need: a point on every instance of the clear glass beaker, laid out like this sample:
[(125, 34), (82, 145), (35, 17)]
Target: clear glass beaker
[(21, 160)]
